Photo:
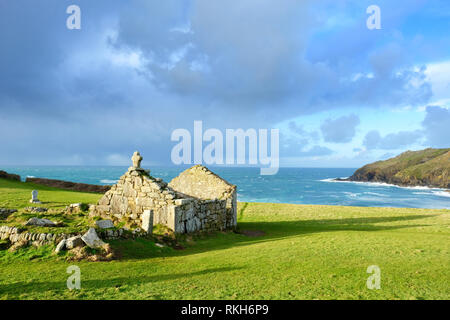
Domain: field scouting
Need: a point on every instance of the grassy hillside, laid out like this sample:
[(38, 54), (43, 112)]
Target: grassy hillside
[(429, 167), (302, 252), (16, 194)]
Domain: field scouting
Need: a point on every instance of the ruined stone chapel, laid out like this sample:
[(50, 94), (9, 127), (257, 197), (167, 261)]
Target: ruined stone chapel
[(196, 200)]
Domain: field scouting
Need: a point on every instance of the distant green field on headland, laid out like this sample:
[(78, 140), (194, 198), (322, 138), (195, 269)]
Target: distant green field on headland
[(429, 167), (283, 252)]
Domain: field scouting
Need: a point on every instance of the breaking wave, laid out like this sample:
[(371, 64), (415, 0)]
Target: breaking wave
[(442, 193), (381, 184), (106, 181)]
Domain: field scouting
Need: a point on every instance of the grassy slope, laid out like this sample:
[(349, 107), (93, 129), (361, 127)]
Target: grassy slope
[(308, 252), (15, 195), (436, 170)]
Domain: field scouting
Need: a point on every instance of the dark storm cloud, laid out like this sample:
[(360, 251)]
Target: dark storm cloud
[(254, 54), (136, 71)]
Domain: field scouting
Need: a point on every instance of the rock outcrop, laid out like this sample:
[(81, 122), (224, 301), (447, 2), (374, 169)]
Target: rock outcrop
[(4, 212), (40, 222), (74, 242), (92, 240)]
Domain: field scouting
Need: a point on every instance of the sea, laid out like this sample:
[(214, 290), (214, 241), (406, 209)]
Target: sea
[(289, 185)]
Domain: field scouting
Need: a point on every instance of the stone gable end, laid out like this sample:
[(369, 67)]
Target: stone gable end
[(200, 182)]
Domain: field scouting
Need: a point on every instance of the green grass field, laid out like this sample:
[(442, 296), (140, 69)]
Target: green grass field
[(307, 252)]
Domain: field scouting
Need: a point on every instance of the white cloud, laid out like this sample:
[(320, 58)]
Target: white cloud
[(438, 74)]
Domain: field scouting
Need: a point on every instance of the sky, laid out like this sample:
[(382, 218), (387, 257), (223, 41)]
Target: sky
[(340, 94)]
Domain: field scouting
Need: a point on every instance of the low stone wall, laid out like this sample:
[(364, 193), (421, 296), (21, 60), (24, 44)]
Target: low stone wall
[(14, 235), (67, 185), (9, 176)]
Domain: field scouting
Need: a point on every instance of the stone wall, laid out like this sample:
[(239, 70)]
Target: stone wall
[(9, 176), (191, 215), (67, 185), (182, 207)]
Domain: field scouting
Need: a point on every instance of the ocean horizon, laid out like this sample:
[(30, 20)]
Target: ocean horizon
[(314, 186)]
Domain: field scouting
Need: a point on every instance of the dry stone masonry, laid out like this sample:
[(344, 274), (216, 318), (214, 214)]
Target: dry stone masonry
[(14, 235), (196, 200)]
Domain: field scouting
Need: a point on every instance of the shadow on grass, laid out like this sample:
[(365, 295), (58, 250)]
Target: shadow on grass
[(241, 212), (27, 287), (274, 231)]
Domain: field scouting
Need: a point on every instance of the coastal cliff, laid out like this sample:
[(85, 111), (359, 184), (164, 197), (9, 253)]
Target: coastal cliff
[(429, 167)]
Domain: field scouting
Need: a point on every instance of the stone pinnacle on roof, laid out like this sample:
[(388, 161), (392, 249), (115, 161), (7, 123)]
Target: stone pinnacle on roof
[(136, 158)]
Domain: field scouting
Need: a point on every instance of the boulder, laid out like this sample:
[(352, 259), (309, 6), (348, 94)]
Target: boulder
[(74, 242), (61, 245), (75, 205), (36, 209), (104, 224), (92, 240), (40, 222), (4, 213)]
